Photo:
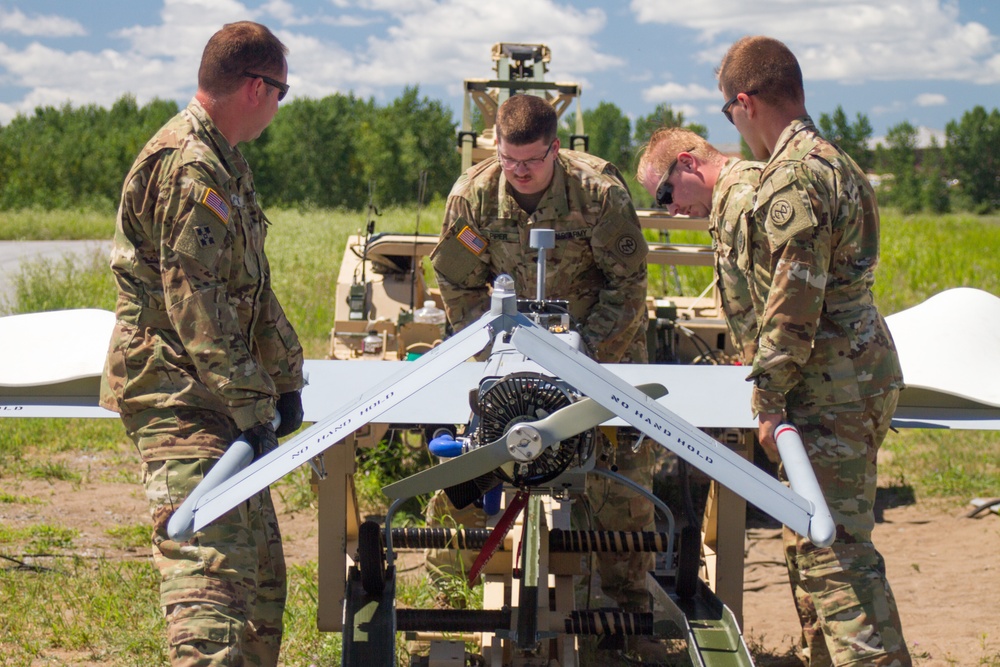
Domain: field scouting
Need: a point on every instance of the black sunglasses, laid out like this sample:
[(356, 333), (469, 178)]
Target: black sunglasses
[(729, 104), (282, 87), (664, 190)]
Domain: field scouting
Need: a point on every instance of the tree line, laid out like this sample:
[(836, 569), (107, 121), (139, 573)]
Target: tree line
[(338, 151), (341, 150)]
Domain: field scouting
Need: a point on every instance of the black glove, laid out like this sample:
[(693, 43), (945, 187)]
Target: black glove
[(290, 409), (262, 438)]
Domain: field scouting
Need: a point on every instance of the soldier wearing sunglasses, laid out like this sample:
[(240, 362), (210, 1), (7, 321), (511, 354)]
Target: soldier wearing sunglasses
[(688, 176), (825, 359), (202, 351)]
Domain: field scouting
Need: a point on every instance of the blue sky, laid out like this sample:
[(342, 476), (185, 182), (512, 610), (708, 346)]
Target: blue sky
[(922, 61)]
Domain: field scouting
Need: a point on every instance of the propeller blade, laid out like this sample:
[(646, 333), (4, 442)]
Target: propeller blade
[(585, 414), (454, 471), (560, 425)]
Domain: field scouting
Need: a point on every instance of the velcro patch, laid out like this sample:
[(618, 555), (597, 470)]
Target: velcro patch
[(473, 241), (205, 236), (215, 203), (781, 212), (626, 245)]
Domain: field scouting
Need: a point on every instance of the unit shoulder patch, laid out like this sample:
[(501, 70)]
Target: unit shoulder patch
[(781, 212)]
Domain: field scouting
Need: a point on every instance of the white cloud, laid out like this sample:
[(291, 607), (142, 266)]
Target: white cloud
[(846, 40), (925, 135), (930, 100), (671, 91), (437, 43), (158, 61), (18, 22), (689, 111), (7, 113), (892, 107)]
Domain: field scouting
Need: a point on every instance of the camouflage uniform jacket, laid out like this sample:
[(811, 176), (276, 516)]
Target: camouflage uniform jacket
[(822, 341), (198, 326), (598, 264), (732, 202)]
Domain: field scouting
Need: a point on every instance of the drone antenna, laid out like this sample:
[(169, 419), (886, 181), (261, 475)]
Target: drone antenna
[(369, 227), (421, 189), (542, 239)]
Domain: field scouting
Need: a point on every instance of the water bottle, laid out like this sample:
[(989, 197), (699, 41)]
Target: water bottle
[(371, 346), (431, 314)]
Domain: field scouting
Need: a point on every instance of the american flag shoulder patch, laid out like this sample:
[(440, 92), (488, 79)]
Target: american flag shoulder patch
[(473, 241), (216, 204)]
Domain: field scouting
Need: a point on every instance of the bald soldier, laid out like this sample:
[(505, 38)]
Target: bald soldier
[(598, 265)]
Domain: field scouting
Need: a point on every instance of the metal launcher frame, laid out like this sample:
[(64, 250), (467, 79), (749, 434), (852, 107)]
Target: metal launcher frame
[(519, 68)]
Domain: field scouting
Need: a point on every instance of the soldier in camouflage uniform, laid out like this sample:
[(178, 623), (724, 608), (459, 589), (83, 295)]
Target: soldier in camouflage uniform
[(688, 176), (598, 265), (825, 359), (202, 352)]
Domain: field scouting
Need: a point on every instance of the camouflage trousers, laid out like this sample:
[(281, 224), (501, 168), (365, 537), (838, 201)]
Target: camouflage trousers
[(223, 592), (607, 505), (842, 596)]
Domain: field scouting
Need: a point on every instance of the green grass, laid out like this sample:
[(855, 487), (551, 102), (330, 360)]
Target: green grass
[(99, 611), (943, 464), (39, 538), (922, 255), (131, 536), (69, 282), (47, 225), (32, 443), (15, 499)]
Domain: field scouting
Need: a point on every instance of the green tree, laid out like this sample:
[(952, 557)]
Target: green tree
[(610, 134), (309, 154), (899, 156), (935, 191), (70, 157), (853, 138), (662, 116), (972, 157), (407, 137)]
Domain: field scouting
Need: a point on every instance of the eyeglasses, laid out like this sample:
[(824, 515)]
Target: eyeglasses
[(664, 189), (282, 87), (512, 164), (729, 104)]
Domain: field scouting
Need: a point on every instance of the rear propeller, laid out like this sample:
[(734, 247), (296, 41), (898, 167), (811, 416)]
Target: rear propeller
[(522, 443)]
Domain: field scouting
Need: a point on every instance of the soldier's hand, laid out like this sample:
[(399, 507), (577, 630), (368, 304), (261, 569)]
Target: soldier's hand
[(262, 438), (290, 408), (765, 434)]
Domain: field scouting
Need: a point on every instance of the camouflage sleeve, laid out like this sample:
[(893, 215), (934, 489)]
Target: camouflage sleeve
[(795, 216), (461, 265), (730, 234), (620, 253), (196, 258), (277, 343)]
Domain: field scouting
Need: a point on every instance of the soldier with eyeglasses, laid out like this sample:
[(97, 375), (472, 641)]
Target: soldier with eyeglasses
[(598, 265)]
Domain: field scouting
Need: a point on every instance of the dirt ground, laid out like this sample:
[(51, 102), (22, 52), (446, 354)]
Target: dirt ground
[(944, 569)]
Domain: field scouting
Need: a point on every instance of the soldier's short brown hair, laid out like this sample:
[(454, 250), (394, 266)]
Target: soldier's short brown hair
[(761, 64), (239, 47), (666, 144), (525, 119)]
